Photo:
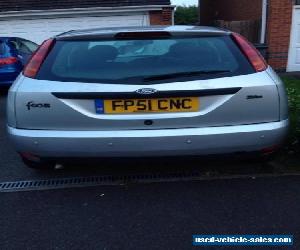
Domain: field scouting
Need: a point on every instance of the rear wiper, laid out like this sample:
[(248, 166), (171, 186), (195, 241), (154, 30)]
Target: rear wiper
[(184, 74)]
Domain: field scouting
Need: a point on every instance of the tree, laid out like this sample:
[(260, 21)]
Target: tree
[(187, 15)]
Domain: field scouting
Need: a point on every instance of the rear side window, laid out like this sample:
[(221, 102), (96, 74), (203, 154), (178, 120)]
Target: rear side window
[(137, 61), (23, 46), (28, 46)]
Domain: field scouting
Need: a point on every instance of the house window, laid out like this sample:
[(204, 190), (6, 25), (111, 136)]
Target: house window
[(297, 2)]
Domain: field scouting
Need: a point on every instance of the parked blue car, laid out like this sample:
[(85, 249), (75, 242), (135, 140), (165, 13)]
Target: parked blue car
[(14, 54)]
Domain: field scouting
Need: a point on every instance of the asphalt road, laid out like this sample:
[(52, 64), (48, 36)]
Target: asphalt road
[(143, 216), (154, 216)]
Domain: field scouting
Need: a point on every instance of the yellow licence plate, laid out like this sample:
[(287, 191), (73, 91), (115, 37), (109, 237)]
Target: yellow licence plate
[(159, 105)]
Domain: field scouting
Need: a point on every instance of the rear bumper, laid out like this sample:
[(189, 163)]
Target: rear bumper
[(136, 143)]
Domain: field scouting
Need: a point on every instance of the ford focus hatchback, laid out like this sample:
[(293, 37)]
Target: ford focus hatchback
[(155, 91)]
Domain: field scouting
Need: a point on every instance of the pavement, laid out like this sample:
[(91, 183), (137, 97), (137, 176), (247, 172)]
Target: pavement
[(241, 198)]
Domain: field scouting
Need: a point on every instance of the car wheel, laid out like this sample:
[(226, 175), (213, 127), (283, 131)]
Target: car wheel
[(42, 165)]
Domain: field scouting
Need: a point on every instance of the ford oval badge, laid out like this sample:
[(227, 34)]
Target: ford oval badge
[(146, 91)]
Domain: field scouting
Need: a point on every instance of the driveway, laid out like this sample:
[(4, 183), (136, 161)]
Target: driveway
[(153, 216)]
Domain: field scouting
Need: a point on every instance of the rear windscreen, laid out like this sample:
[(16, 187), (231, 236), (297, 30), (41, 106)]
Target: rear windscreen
[(144, 61)]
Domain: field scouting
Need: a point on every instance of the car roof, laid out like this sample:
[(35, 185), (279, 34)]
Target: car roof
[(110, 32)]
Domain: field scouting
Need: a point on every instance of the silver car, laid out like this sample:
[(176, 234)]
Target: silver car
[(147, 91)]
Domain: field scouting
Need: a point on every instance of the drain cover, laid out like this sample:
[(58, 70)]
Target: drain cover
[(60, 183), (113, 180)]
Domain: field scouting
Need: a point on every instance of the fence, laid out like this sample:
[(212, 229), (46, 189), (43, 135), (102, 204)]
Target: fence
[(249, 28)]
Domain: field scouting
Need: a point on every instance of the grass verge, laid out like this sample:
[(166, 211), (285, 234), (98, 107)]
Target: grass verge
[(289, 155)]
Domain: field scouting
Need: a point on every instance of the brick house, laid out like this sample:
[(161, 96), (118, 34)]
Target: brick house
[(278, 26), (37, 20)]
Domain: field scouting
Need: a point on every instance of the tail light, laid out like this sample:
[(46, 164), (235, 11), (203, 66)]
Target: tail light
[(37, 59), (252, 54), (8, 61)]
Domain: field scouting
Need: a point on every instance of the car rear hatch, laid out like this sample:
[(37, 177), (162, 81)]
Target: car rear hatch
[(149, 82)]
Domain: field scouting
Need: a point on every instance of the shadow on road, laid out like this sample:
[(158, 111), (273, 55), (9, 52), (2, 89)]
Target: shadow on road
[(163, 166)]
